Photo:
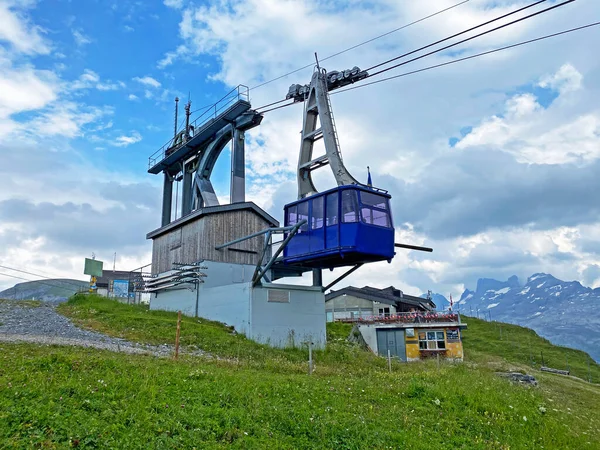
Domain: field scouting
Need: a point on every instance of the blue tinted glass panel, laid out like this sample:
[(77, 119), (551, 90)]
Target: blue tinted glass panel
[(349, 206), (292, 215), (318, 210), (332, 209), (303, 215), (370, 199), (375, 216)]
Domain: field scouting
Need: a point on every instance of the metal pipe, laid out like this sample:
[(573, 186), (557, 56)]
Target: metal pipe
[(340, 278), (259, 233), (414, 247), (280, 249)]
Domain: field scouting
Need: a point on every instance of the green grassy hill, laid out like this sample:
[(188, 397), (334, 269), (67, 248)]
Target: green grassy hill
[(251, 396), (50, 289)]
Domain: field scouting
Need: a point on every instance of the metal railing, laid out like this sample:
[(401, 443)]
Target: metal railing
[(410, 317), (210, 113)]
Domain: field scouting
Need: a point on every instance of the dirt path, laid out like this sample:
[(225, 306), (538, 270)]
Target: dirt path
[(22, 322)]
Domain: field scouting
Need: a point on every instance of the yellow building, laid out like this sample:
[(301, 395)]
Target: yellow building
[(414, 336)]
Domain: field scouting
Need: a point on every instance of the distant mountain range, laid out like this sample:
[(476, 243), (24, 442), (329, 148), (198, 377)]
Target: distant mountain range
[(47, 290), (564, 312)]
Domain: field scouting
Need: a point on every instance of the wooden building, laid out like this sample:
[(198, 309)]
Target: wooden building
[(194, 237)]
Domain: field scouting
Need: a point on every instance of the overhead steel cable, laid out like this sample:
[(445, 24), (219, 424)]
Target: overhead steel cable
[(453, 44), (37, 275), (458, 34), (468, 39), (37, 281), (270, 104), (362, 43), (278, 107), (454, 61)]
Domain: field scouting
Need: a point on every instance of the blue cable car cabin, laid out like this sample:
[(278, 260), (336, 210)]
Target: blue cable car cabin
[(346, 225)]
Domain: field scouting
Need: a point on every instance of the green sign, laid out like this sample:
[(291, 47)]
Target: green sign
[(93, 267)]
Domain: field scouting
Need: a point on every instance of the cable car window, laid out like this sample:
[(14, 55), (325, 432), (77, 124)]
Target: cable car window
[(369, 199), (349, 206), (375, 216), (303, 215), (332, 209), (316, 218), (292, 215)]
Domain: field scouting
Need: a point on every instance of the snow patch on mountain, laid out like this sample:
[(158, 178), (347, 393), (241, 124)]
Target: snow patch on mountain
[(565, 312)]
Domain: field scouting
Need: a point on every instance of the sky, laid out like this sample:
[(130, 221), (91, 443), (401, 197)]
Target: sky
[(493, 162)]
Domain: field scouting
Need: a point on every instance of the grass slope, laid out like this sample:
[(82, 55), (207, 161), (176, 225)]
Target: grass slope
[(516, 344), (256, 397)]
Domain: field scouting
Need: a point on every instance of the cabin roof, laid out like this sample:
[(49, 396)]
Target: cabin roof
[(389, 295)]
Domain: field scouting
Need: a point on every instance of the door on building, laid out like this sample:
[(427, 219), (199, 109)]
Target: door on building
[(392, 340)]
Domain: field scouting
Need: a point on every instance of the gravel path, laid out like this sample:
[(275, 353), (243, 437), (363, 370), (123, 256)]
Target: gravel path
[(43, 325)]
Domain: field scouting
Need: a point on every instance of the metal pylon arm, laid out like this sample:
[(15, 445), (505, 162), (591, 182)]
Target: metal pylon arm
[(318, 108)]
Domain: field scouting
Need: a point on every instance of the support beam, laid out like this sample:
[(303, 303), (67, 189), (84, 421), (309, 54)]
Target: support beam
[(167, 199), (414, 247), (317, 277), (285, 242), (340, 278), (238, 168), (186, 193)]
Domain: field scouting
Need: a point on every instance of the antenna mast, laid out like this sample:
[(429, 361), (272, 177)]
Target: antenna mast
[(176, 109)]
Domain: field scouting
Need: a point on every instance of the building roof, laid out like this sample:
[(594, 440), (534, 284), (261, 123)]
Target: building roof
[(214, 210), (111, 275), (389, 295)]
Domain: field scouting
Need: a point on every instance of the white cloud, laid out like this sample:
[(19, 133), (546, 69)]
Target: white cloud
[(124, 140), (90, 79), (170, 57), (128, 28), (80, 38), (177, 4), (566, 79), (25, 89), (132, 97), (16, 29), (66, 119), (400, 128), (148, 81), (542, 136)]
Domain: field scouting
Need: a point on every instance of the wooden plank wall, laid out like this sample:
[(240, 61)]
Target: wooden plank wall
[(196, 240)]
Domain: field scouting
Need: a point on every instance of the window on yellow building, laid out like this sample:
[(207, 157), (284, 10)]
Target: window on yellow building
[(432, 340)]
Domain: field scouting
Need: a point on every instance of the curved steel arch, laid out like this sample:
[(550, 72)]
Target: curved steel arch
[(203, 193)]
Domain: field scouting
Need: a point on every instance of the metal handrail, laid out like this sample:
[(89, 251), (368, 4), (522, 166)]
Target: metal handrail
[(410, 317), (240, 92)]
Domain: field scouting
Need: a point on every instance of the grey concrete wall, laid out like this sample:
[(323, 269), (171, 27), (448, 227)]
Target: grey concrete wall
[(227, 296), (182, 300), (222, 274), (228, 304), (369, 334), (286, 324)]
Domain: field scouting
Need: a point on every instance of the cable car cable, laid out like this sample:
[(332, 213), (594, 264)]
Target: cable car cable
[(457, 34), (37, 281), (453, 44), (471, 38), (35, 275), (362, 83), (362, 43), (470, 57)]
